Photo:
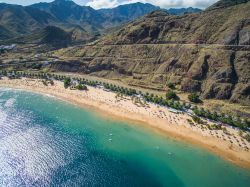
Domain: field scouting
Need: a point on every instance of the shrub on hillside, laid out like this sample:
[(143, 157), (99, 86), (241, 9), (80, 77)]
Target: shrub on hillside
[(194, 98), (171, 95), (171, 85)]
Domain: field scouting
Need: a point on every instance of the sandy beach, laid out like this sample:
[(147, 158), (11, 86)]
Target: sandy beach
[(230, 146)]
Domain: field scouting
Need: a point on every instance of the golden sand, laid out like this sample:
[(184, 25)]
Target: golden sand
[(160, 119)]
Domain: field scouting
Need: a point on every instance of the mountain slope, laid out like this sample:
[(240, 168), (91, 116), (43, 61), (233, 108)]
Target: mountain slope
[(4, 33), (23, 20), (226, 3), (94, 20), (181, 11), (84, 22), (159, 49), (50, 35), (69, 12), (128, 12), (215, 26)]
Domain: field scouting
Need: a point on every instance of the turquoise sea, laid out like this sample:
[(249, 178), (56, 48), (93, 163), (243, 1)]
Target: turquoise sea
[(47, 142)]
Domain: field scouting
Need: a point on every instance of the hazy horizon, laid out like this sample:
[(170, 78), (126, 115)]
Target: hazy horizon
[(97, 4)]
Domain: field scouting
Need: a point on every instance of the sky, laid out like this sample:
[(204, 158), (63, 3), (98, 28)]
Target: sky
[(97, 4)]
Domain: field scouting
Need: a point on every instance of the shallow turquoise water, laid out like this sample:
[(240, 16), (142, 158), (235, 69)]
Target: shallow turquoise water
[(46, 142)]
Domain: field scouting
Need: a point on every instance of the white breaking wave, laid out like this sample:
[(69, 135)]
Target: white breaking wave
[(5, 89), (49, 95)]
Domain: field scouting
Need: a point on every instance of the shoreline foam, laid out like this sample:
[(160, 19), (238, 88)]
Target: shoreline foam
[(158, 118)]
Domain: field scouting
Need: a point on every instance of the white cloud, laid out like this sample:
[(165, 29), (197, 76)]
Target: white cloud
[(176, 3), (97, 4)]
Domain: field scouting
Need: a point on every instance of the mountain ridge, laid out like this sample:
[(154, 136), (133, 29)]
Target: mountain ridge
[(17, 20), (226, 3), (202, 28)]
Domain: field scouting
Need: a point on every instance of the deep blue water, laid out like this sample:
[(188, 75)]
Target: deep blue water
[(46, 142)]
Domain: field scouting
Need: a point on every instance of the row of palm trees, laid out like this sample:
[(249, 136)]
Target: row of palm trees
[(120, 89), (172, 103), (168, 101), (227, 119)]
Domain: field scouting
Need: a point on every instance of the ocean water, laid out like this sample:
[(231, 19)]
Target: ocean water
[(47, 142)]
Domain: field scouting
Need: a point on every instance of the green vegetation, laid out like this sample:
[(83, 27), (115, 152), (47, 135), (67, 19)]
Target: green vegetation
[(215, 127), (81, 87), (122, 90), (194, 98), (171, 85), (164, 102), (227, 119), (171, 95), (197, 119), (4, 73), (67, 82), (36, 66)]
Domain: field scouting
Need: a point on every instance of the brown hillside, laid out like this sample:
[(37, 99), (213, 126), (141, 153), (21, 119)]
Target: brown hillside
[(161, 49), (230, 25)]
